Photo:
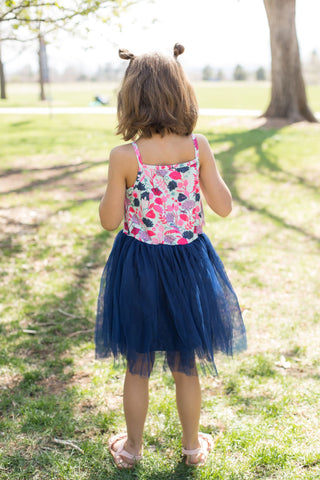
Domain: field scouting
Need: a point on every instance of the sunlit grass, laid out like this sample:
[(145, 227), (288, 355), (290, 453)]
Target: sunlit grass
[(265, 402), (242, 95)]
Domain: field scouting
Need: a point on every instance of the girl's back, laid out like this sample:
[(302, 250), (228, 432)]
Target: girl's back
[(157, 150), (162, 203)]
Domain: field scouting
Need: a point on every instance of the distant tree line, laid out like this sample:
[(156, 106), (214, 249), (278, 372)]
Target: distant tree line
[(311, 69)]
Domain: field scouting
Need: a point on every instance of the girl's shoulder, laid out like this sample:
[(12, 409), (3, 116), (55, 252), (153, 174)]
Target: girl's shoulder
[(205, 151), (122, 151), (122, 156), (123, 162), (202, 140)]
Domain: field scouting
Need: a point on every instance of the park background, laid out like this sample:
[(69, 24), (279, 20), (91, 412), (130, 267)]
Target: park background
[(58, 406)]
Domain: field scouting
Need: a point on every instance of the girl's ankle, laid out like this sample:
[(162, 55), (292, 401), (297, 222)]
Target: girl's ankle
[(191, 444), (133, 447)]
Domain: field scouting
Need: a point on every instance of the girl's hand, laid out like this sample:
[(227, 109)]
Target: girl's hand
[(215, 191)]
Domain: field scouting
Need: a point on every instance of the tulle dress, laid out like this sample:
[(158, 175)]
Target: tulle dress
[(164, 290)]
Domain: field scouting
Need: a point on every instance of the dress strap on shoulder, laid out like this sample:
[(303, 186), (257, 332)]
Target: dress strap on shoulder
[(138, 154), (196, 146)]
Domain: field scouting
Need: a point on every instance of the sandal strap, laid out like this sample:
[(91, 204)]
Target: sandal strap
[(130, 456), (121, 452), (195, 451), (206, 444)]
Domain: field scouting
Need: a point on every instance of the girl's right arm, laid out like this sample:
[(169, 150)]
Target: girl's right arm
[(215, 191), (111, 207)]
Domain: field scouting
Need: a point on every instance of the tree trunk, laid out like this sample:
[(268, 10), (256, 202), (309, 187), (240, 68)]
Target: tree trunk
[(2, 78), (288, 93), (42, 66)]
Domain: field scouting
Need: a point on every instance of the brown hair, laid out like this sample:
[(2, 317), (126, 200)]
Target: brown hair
[(155, 97)]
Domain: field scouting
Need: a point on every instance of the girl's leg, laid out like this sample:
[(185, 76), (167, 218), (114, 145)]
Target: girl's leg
[(188, 396), (135, 403)]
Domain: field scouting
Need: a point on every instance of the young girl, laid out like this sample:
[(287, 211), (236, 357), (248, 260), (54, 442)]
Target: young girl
[(164, 288)]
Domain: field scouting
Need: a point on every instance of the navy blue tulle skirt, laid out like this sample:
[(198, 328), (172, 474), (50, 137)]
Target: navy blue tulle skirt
[(175, 299)]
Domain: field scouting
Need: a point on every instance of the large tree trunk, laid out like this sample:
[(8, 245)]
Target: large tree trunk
[(2, 78), (288, 93)]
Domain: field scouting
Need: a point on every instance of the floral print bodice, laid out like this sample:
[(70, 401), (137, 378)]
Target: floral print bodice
[(164, 205)]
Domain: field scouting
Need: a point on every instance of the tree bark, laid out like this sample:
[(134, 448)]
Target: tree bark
[(2, 78), (288, 93), (42, 67)]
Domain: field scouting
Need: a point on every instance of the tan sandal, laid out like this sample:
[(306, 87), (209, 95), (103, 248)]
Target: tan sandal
[(120, 454), (206, 445)]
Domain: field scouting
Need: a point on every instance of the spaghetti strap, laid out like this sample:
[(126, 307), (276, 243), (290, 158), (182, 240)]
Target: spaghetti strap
[(138, 155), (196, 146)]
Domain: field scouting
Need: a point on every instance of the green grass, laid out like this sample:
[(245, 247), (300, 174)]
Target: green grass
[(243, 95), (264, 406)]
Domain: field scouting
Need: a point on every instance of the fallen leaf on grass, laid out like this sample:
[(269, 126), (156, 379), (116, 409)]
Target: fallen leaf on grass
[(283, 362)]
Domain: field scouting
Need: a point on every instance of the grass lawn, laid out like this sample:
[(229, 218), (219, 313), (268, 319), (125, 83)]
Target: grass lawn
[(264, 406), (243, 95)]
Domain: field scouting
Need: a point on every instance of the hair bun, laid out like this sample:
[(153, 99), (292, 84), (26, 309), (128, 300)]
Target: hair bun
[(125, 54), (178, 49)]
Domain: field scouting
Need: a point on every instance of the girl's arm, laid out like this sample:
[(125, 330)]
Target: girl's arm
[(111, 209), (216, 192)]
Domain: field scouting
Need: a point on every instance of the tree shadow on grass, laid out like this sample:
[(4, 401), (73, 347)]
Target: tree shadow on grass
[(266, 164), (50, 178), (59, 335), (38, 404)]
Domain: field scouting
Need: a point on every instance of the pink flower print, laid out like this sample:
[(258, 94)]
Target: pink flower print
[(157, 208), (158, 200), (173, 230), (175, 175), (150, 233), (184, 217), (183, 185), (182, 241), (150, 214), (135, 231), (156, 191)]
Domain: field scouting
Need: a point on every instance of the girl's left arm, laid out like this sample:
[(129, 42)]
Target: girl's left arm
[(111, 209)]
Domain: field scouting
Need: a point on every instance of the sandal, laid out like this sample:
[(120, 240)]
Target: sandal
[(120, 454), (206, 445)]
